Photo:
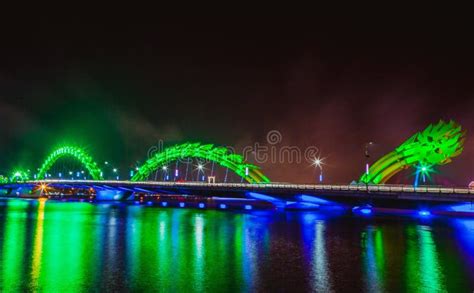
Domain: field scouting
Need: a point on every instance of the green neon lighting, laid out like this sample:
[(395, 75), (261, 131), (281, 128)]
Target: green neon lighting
[(436, 145), (19, 175), (3, 179), (74, 152), (220, 155)]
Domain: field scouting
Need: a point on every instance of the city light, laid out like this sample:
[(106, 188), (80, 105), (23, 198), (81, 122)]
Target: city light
[(366, 211), (424, 213), (318, 163), (425, 171), (362, 210)]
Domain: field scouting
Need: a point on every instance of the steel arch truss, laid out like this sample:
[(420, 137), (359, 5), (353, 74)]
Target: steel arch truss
[(220, 155), (74, 152)]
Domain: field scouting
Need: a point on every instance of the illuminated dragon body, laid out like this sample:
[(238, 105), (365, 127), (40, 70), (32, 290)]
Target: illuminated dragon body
[(436, 145), (220, 155)]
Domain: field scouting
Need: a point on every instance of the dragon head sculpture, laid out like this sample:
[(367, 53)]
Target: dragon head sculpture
[(435, 145)]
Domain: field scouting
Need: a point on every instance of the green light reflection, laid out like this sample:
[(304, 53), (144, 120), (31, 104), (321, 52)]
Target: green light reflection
[(374, 259), (424, 273)]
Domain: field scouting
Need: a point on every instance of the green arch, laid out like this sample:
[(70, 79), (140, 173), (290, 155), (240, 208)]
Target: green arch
[(436, 145), (19, 175), (75, 152), (220, 155)]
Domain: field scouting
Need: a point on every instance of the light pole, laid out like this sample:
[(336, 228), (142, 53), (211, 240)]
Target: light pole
[(318, 163), (200, 168), (367, 166), (106, 173), (424, 170), (165, 172)]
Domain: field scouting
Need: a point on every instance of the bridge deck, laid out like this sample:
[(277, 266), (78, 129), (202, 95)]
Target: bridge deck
[(389, 195)]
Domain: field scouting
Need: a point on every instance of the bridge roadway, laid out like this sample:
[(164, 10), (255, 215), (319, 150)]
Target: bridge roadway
[(390, 196)]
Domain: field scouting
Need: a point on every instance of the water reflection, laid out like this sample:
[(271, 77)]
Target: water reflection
[(374, 259), (14, 245), (199, 252), (314, 239), (75, 247), (38, 244), (424, 272), (466, 243)]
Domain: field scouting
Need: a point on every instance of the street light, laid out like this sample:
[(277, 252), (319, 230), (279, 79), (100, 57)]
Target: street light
[(200, 169), (367, 156), (43, 188), (367, 166), (318, 163), (425, 171)]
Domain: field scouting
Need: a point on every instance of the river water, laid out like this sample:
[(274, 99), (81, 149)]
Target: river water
[(52, 246)]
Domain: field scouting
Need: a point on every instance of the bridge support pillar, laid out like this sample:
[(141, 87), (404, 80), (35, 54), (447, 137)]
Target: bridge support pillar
[(111, 194)]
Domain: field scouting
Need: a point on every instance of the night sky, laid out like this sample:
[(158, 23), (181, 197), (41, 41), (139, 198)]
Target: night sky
[(118, 89)]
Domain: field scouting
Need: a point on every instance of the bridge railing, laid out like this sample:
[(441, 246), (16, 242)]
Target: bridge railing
[(313, 187)]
